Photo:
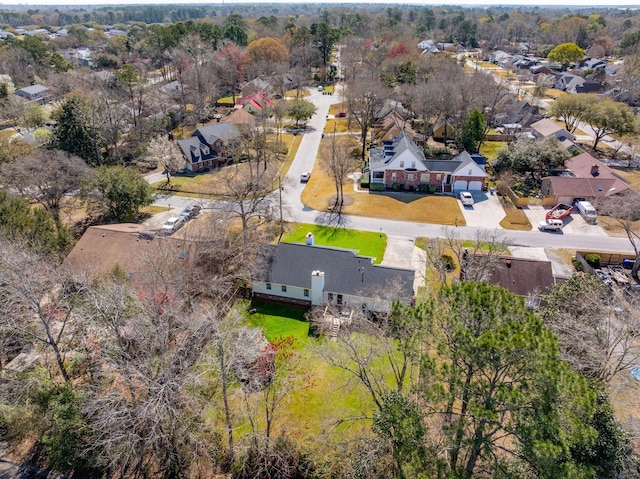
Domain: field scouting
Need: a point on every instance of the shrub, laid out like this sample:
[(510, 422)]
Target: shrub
[(432, 188), (376, 187), (423, 188), (593, 260), (576, 264), (364, 180), (397, 187), (448, 262)]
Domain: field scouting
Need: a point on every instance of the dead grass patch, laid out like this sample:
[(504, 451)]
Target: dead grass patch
[(341, 125), (515, 219), (613, 228), (630, 175), (337, 108)]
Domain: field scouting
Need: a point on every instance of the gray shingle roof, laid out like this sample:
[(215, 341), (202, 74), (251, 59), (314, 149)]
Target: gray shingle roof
[(223, 131), (344, 272)]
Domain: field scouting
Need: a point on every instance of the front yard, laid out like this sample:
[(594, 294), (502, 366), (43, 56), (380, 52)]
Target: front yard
[(384, 205)]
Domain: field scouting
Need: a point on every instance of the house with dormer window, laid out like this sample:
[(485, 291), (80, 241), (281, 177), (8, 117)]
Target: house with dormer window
[(209, 146), (401, 164)]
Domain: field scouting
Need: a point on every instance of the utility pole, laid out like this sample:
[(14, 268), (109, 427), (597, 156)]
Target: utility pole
[(280, 195)]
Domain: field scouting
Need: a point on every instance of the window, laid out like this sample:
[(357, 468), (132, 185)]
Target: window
[(306, 293), (470, 170), (284, 288), (330, 297), (438, 176), (424, 177), (269, 286), (410, 177), (393, 177), (413, 164), (339, 300), (402, 164)]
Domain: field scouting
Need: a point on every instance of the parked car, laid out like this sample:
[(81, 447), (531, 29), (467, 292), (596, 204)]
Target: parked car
[(320, 88), (172, 225), (190, 212), (466, 198), (304, 177), (550, 225)]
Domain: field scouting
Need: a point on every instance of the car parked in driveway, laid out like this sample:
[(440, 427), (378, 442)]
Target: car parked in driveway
[(466, 198), (172, 225), (304, 177), (550, 225), (190, 212)]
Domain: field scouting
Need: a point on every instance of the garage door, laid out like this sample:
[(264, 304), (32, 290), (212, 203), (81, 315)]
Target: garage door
[(475, 186), (460, 185)]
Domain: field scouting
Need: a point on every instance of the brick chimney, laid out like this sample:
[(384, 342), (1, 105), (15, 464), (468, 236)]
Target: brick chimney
[(309, 240), (595, 170), (317, 288)]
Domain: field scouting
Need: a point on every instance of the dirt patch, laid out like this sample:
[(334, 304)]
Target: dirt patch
[(613, 228), (347, 200)]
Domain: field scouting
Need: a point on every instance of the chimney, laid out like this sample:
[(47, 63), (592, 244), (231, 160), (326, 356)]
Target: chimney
[(309, 240), (595, 170), (317, 288)]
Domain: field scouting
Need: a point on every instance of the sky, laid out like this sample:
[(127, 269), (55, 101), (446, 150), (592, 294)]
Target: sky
[(557, 3)]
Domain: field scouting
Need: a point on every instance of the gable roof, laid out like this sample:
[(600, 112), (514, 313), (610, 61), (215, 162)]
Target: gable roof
[(103, 247), (522, 276), (209, 134), (194, 150), (240, 117), (547, 128), (582, 167), (344, 272), (585, 187)]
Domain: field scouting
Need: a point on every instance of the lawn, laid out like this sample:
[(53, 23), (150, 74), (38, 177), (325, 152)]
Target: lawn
[(341, 125), (384, 205), (326, 397), (337, 108), (515, 219), (366, 243), (490, 149)]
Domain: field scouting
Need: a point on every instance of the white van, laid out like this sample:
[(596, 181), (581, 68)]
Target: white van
[(587, 211)]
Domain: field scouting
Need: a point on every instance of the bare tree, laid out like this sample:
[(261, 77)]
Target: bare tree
[(595, 329), (49, 177), (336, 160), (364, 99), (475, 258), (167, 154), (37, 305)]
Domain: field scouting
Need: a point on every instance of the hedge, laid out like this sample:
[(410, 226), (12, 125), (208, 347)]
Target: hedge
[(376, 187), (364, 180)]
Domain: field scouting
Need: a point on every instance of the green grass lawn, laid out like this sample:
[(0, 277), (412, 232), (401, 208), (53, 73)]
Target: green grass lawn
[(490, 149), (279, 320), (366, 243)]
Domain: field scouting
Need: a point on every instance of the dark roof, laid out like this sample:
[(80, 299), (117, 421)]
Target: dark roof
[(344, 272), (208, 134), (524, 277)]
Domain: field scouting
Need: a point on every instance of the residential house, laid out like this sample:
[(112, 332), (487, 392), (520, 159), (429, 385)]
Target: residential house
[(428, 46), (593, 64), (244, 120), (258, 84), (310, 275), (546, 128), (529, 278), (402, 162), (543, 70), (517, 115), (584, 177), (124, 246), (208, 146), (254, 103), (391, 119), (35, 92), (443, 130), (499, 57)]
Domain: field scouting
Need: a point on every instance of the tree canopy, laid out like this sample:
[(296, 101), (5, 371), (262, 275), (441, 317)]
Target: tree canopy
[(566, 53)]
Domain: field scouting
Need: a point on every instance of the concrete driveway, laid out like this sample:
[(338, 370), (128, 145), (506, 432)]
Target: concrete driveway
[(573, 224), (486, 212), (401, 252)]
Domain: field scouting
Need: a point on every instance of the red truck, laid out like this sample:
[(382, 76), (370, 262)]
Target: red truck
[(559, 212)]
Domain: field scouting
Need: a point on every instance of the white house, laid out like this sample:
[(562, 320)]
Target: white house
[(311, 275)]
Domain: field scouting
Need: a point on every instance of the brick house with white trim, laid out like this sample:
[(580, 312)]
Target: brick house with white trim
[(402, 162)]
